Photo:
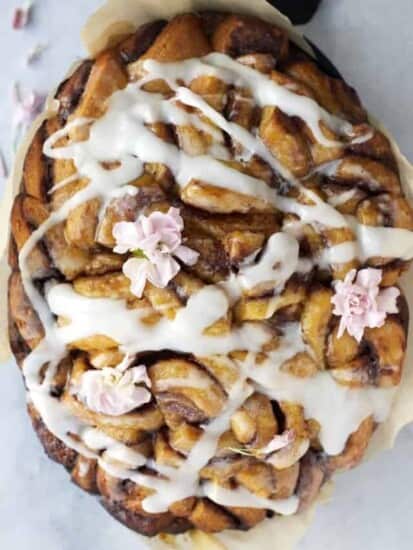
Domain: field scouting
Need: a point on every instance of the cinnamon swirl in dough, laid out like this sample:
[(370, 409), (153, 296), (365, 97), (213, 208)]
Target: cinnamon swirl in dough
[(205, 257)]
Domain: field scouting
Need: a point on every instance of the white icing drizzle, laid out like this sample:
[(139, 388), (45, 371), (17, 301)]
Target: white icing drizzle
[(242, 497), (117, 193), (338, 409), (184, 333), (342, 198), (320, 213), (385, 242), (110, 138), (265, 91), (319, 394), (63, 183), (305, 265), (185, 479), (252, 144), (327, 168), (337, 254), (122, 135), (277, 263)]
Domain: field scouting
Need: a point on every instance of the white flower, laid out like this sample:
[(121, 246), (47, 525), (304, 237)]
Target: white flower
[(361, 303), (113, 392), (155, 241)]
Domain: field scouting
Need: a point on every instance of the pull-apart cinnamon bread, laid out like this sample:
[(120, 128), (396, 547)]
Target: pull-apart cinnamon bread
[(205, 257)]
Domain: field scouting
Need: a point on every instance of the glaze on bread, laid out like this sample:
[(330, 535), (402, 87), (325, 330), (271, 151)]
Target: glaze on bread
[(252, 395)]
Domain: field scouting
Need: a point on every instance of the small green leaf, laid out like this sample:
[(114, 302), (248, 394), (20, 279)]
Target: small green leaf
[(139, 254)]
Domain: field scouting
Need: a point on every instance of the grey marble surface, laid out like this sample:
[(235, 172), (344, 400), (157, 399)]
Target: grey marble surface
[(371, 41)]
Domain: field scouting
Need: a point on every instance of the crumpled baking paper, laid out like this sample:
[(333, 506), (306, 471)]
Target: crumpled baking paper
[(112, 22)]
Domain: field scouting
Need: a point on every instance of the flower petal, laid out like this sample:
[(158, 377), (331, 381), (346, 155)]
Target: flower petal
[(387, 300), (127, 236), (113, 403), (278, 442), (165, 270), (26, 109), (158, 237), (174, 214), (361, 304), (342, 327), (349, 278), (109, 392), (187, 255), (35, 53), (137, 270), (355, 329), (369, 277), (140, 375), (339, 303), (375, 319), (21, 16)]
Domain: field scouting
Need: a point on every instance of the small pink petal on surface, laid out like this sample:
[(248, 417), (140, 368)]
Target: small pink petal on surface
[(26, 108), (187, 255), (278, 442), (35, 53), (21, 16)]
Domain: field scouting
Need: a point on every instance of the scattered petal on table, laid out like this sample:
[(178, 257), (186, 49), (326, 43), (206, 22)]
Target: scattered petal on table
[(22, 15)]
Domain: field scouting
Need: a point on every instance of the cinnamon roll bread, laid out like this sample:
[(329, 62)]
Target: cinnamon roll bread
[(205, 258)]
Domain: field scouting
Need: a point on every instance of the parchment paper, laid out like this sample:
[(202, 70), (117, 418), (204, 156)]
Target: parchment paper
[(105, 28)]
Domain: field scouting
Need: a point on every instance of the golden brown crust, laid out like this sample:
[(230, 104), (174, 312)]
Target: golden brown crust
[(71, 90), (24, 318), (55, 449), (182, 38), (237, 35), (234, 227)]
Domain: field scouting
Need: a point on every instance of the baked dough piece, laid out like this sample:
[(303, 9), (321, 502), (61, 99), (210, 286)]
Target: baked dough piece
[(252, 394)]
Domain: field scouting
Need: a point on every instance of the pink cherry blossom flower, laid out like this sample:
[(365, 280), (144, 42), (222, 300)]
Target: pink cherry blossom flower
[(155, 240), (113, 392), (361, 304)]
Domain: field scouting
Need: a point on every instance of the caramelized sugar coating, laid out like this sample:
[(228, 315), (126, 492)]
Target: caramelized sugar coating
[(226, 228)]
